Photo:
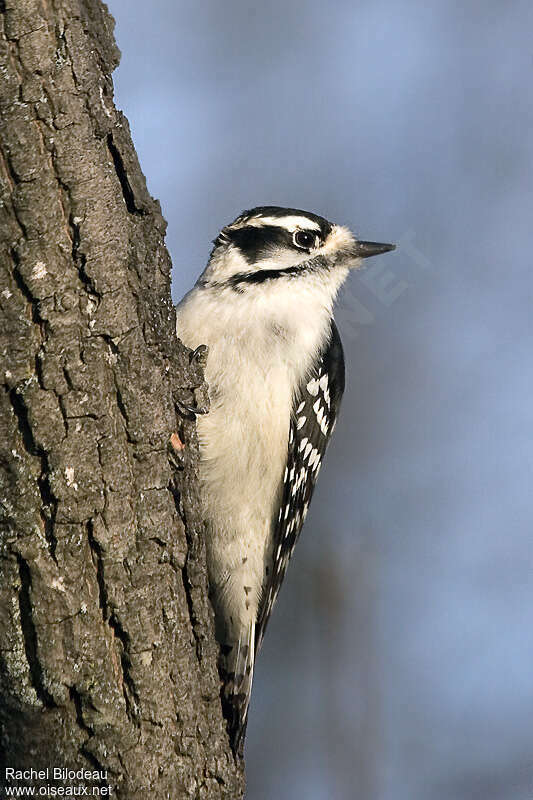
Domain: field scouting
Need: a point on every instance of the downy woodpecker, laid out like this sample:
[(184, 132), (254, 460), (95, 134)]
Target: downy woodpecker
[(264, 308)]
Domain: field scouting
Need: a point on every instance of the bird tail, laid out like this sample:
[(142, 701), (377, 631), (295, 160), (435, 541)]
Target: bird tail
[(236, 670)]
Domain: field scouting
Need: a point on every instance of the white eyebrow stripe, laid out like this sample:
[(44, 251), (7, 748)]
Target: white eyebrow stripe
[(290, 223)]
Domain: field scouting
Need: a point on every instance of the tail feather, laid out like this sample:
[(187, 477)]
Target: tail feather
[(236, 670)]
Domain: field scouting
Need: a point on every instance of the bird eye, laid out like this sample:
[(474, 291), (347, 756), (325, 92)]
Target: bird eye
[(305, 239)]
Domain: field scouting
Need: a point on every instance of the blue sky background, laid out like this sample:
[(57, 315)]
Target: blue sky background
[(398, 663)]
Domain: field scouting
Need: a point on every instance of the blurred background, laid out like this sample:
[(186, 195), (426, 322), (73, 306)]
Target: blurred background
[(398, 664)]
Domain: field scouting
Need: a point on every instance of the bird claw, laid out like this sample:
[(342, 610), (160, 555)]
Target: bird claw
[(199, 356), (190, 409)]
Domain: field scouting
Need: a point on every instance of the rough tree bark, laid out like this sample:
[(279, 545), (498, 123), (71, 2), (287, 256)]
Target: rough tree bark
[(107, 654)]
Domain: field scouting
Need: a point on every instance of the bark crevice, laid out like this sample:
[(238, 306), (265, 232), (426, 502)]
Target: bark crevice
[(30, 635), (122, 175)]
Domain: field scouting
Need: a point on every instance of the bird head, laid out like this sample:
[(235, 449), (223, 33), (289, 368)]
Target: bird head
[(269, 242)]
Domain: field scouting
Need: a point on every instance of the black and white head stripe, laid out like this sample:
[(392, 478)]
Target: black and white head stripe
[(290, 219), (240, 279), (262, 231), (271, 242), (315, 410)]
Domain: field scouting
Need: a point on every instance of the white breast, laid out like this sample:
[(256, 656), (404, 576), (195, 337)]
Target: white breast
[(261, 345)]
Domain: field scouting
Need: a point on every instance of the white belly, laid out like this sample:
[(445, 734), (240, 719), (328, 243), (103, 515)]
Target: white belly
[(243, 448), (259, 353)]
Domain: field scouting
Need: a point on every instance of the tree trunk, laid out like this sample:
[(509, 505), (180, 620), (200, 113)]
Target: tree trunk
[(107, 653)]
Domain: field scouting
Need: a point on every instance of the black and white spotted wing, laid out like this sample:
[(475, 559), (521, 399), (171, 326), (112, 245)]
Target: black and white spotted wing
[(315, 410)]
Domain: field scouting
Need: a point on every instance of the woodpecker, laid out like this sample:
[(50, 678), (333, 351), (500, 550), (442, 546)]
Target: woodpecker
[(275, 371)]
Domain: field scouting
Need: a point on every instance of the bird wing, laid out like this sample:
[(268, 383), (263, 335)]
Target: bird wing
[(315, 408)]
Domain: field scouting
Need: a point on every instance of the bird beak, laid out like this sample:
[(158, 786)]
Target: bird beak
[(367, 249)]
